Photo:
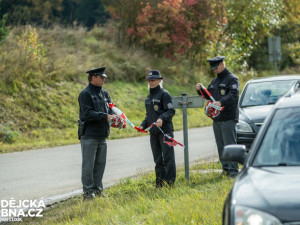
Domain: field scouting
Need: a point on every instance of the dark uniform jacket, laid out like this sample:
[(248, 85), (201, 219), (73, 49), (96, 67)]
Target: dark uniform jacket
[(159, 105), (225, 88), (93, 103)]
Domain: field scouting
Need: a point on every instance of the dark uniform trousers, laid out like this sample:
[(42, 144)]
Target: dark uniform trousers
[(164, 158), (93, 150), (225, 134)]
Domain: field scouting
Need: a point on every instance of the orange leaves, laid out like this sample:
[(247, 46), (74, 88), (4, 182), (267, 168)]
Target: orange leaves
[(164, 29), (191, 2)]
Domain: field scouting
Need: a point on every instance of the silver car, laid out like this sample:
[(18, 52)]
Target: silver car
[(256, 101)]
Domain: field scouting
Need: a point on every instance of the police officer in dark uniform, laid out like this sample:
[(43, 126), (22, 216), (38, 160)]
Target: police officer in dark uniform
[(93, 131), (225, 90), (160, 109)]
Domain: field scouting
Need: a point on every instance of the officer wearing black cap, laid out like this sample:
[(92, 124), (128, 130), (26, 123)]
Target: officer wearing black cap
[(225, 90), (93, 131), (160, 109)]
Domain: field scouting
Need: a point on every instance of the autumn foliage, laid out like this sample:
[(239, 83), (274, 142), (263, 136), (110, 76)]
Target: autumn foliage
[(171, 28), (164, 29), (198, 29)]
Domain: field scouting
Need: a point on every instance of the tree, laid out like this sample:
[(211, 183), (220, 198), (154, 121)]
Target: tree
[(248, 22), (90, 13), (289, 31), (164, 29), (32, 11), (125, 13), (203, 16), (3, 29), (48, 12)]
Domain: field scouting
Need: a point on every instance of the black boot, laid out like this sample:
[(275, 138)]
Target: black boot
[(99, 193), (89, 195)]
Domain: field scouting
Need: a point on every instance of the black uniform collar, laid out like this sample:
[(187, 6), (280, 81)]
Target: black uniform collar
[(154, 90), (223, 73), (95, 88)]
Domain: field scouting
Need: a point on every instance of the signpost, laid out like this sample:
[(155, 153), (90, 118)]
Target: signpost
[(274, 48), (183, 103)]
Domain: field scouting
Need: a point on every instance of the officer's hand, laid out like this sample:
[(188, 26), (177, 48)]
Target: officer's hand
[(140, 127), (159, 122), (198, 87), (217, 103), (109, 117)]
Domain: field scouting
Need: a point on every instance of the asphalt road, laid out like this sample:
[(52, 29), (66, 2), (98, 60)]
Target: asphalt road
[(55, 172)]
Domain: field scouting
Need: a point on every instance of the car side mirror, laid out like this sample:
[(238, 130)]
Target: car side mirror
[(235, 153)]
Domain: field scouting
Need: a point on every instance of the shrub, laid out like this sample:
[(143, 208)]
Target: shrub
[(3, 29), (7, 135)]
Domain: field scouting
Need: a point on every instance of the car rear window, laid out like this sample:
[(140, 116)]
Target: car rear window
[(264, 93), (281, 142)]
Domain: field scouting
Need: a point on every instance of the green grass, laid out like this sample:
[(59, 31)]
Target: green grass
[(137, 201)]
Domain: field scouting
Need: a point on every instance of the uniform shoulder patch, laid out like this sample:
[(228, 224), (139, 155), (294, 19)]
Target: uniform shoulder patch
[(170, 106), (234, 86)]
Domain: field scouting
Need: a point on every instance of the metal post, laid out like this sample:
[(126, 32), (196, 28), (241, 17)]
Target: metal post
[(274, 49), (183, 102), (275, 55), (276, 71), (185, 135)]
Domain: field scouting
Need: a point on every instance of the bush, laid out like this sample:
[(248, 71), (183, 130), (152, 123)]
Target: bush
[(7, 135), (3, 29)]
